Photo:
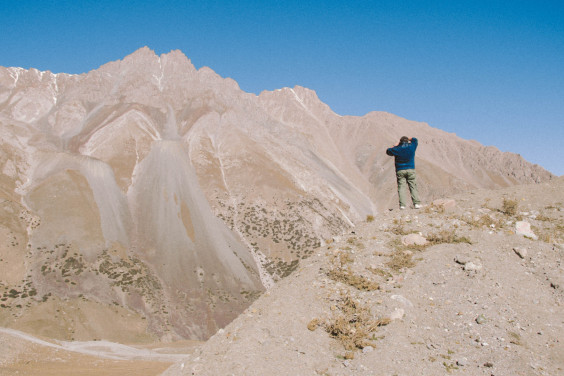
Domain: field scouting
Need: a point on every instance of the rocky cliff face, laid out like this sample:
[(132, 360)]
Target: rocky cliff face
[(169, 193)]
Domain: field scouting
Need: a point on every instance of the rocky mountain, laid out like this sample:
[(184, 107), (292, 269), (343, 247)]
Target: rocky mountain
[(163, 199)]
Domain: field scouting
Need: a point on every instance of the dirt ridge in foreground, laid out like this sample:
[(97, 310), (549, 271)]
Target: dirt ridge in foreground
[(477, 299)]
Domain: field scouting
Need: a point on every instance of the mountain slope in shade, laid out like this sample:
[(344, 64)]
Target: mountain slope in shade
[(167, 192)]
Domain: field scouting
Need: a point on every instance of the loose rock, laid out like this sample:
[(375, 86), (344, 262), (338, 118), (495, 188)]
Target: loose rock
[(413, 239), (445, 203), (524, 228), (397, 314), (461, 259), (402, 300), (472, 267), (462, 362)]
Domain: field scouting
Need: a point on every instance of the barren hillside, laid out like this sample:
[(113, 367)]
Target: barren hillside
[(479, 298)]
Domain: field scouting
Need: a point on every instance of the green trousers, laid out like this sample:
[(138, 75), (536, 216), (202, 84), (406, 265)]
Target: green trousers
[(407, 176)]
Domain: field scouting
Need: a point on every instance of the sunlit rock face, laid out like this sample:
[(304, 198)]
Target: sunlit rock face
[(169, 193)]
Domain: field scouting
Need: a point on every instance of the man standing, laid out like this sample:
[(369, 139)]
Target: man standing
[(404, 154)]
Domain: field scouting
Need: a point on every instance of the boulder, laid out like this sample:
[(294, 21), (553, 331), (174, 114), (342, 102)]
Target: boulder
[(413, 239), (445, 203)]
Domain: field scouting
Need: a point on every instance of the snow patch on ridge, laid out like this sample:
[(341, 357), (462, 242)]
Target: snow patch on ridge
[(15, 74), (300, 101)]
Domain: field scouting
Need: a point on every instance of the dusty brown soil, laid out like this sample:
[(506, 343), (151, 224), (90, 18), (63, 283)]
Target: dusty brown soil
[(466, 304)]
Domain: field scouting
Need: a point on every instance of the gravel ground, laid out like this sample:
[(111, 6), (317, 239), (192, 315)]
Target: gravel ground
[(480, 300)]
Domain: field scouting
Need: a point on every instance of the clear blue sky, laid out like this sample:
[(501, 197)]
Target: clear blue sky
[(490, 70)]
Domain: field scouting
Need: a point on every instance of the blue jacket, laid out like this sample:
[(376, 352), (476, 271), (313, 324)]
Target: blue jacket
[(404, 155)]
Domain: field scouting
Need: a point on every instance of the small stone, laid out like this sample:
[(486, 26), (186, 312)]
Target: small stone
[(521, 252), (461, 259), (367, 349), (347, 363), (445, 203), (413, 239), (488, 364), (471, 267), (524, 228), (481, 319), (559, 246), (397, 314), (462, 362), (313, 324), (402, 300)]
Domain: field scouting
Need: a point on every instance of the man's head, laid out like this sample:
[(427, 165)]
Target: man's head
[(404, 140)]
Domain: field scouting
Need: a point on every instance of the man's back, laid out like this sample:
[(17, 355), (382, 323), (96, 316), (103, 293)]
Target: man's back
[(404, 155)]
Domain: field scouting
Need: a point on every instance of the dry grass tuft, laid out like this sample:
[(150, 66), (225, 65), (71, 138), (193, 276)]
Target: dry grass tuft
[(340, 258), (342, 272), (399, 228), (544, 218), (313, 324), (549, 234), (369, 218), (447, 236), (381, 272), (352, 324), (509, 207), (432, 208), (401, 259), (515, 338), (350, 278), (486, 220)]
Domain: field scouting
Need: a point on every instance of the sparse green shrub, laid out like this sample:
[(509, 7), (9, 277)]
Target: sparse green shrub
[(369, 218)]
